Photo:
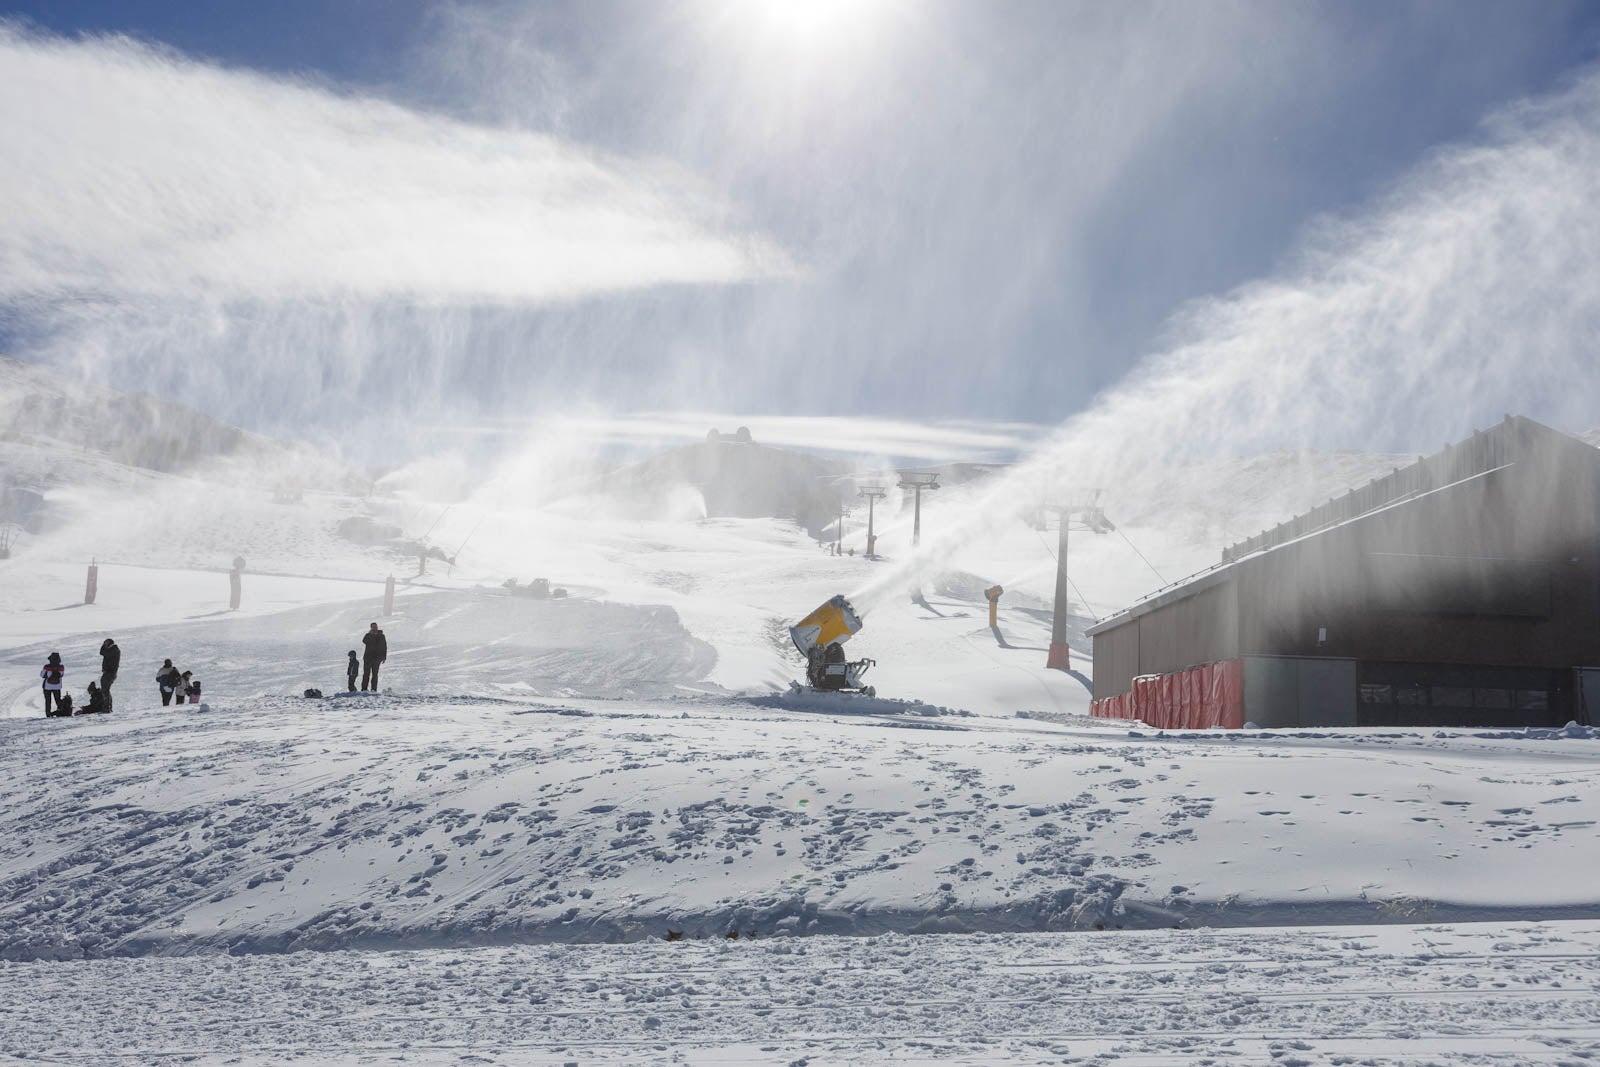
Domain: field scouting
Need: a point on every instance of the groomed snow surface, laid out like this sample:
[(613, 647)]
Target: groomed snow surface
[(534, 845)]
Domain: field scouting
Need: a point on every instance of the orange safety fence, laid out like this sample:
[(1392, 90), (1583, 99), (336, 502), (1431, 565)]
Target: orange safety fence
[(1200, 698)]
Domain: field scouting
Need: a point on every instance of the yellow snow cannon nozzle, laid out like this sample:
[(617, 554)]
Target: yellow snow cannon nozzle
[(834, 621)]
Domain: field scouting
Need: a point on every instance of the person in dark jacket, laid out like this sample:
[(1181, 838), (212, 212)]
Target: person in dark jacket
[(52, 673), (169, 679), (110, 660), (351, 669), (98, 703), (375, 649)]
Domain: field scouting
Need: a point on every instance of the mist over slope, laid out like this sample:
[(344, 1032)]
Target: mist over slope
[(50, 419), (107, 474)]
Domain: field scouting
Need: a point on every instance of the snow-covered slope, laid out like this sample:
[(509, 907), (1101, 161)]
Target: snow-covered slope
[(623, 762), (564, 770), (1509, 994)]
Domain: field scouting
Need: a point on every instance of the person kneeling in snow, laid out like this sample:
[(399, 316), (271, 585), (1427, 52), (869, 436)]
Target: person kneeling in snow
[(98, 704)]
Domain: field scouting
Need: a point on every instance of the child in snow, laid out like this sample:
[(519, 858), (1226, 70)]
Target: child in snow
[(191, 687), (52, 673), (351, 669), (98, 705), (168, 679)]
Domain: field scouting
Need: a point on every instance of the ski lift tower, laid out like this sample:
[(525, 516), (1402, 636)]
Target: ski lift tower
[(917, 481), (1082, 504), (873, 493)]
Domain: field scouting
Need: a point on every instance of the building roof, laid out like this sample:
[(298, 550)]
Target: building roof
[(1484, 451)]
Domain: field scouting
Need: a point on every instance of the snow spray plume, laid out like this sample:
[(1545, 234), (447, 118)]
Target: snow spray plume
[(267, 246), (1470, 291)]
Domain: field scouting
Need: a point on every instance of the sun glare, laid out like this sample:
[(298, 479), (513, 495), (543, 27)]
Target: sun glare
[(805, 28), (808, 18)]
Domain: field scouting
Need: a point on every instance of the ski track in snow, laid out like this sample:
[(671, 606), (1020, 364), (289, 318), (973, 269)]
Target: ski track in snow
[(1487, 993)]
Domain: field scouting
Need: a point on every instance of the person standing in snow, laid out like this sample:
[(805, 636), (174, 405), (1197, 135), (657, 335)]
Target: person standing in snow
[(375, 649), (110, 660), (351, 669), (168, 678), (52, 673), (191, 687)]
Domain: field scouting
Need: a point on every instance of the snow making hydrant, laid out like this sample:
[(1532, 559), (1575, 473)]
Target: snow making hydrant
[(993, 593), (820, 637)]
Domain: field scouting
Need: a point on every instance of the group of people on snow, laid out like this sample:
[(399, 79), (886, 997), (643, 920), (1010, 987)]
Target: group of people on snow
[(175, 683), (58, 702), (183, 686)]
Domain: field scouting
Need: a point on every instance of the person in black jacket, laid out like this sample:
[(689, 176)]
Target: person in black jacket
[(351, 669), (169, 679), (110, 660), (99, 702), (375, 649)]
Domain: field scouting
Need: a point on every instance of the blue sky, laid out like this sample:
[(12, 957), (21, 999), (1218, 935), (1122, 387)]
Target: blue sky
[(967, 210)]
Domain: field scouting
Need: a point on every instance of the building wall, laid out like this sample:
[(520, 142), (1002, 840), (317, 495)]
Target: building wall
[(1203, 628), (1498, 569), (1501, 570), (1116, 660)]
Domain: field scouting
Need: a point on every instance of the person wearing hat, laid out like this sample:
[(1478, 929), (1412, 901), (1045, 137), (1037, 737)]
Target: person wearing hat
[(52, 672)]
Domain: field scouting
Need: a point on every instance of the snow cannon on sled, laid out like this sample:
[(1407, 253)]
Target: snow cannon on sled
[(820, 637)]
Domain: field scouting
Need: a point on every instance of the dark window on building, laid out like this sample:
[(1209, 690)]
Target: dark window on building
[(1441, 694), (1376, 694), (1533, 700)]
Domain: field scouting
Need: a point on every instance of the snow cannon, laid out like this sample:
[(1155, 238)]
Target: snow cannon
[(834, 621), (820, 637)]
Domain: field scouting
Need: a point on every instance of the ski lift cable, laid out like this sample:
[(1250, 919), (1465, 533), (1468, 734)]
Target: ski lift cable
[(437, 521), (1142, 556), (1083, 600), (470, 536)]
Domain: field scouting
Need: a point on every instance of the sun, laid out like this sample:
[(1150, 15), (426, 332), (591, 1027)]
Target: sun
[(809, 29), (808, 20)]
